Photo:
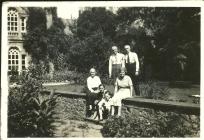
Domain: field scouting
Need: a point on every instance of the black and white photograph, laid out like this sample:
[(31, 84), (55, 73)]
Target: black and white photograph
[(101, 69)]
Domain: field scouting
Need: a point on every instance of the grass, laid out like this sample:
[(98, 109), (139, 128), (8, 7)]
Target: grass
[(175, 94)]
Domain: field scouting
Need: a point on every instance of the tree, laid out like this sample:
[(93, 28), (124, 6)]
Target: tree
[(172, 30), (95, 30), (96, 20), (35, 40), (46, 44)]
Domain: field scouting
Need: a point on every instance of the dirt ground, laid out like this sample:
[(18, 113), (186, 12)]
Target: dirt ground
[(80, 129)]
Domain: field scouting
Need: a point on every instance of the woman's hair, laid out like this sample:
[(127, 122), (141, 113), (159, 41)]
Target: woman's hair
[(101, 85)]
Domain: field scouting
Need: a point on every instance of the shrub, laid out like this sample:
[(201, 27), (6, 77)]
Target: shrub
[(73, 76), (106, 80), (30, 114), (13, 76), (151, 124), (152, 90), (71, 108), (66, 75)]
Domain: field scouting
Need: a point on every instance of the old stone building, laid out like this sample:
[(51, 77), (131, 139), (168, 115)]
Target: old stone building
[(16, 21), (18, 58)]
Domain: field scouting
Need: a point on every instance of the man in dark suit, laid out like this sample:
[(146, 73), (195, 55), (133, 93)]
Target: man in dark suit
[(132, 66)]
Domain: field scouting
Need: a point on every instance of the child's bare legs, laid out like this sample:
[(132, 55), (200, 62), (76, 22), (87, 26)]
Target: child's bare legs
[(94, 115), (112, 110), (94, 108), (90, 107), (119, 110), (100, 113)]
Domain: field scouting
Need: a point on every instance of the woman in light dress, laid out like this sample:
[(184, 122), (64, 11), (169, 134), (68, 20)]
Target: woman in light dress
[(123, 89)]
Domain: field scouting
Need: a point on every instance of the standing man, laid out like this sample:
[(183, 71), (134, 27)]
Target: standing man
[(116, 61), (132, 66)]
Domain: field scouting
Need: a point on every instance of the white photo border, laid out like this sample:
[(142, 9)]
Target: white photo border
[(4, 40)]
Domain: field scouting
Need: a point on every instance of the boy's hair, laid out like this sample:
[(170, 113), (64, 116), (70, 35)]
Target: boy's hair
[(101, 85), (109, 93)]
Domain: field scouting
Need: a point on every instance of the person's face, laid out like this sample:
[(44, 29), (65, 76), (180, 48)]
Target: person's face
[(107, 96), (122, 74), (115, 50), (93, 73), (127, 49), (101, 88)]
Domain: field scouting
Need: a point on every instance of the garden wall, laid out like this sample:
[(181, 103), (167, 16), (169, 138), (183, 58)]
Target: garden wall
[(73, 106), (179, 119)]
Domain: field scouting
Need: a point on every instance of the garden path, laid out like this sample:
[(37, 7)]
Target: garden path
[(75, 128)]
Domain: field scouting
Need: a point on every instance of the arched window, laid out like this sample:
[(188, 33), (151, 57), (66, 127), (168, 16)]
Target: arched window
[(13, 60), (12, 20)]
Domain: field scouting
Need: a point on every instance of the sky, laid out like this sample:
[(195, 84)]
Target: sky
[(68, 11)]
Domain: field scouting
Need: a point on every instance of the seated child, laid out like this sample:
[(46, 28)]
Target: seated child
[(99, 97), (104, 106), (100, 94)]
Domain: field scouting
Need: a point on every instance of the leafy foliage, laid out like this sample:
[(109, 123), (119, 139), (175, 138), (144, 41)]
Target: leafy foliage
[(93, 54), (166, 34), (152, 90), (71, 108), (43, 43), (13, 76), (160, 36), (151, 124), (96, 20), (29, 114), (95, 28)]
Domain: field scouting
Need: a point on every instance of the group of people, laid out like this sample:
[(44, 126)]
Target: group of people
[(124, 69)]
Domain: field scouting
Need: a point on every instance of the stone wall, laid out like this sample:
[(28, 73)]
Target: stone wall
[(72, 106)]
